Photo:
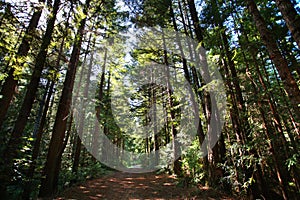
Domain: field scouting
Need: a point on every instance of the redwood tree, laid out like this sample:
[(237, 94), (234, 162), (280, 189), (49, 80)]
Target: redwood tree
[(9, 86), (279, 61), (15, 140), (291, 18), (49, 183)]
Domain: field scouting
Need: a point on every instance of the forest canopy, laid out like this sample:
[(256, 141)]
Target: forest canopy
[(205, 90)]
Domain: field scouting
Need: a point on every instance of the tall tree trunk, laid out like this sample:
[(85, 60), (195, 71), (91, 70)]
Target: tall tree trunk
[(36, 147), (175, 142), (274, 145), (277, 146), (14, 143), (107, 113), (239, 114), (195, 19), (82, 117), (99, 107), (77, 140), (9, 86), (211, 109), (269, 98), (49, 183), (291, 18), (39, 135), (289, 110), (239, 127), (279, 61), (192, 78), (153, 102), (282, 149), (76, 149)]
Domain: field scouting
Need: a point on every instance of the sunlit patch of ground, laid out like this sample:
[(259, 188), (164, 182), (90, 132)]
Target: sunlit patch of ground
[(119, 186)]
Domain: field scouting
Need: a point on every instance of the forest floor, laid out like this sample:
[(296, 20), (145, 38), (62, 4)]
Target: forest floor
[(120, 185)]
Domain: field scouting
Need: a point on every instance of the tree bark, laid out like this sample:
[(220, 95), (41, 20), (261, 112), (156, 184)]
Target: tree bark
[(279, 61), (82, 117), (9, 86), (49, 183), (210, 105), (291, 18), (274, 146), (175, 143), (195, 19), (277, 144), (37, 143), (14, 142)]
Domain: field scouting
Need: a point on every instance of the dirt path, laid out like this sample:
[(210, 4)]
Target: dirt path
[(119, 186)]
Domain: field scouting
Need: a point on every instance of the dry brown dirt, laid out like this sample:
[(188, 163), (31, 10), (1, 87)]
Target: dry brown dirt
[(120, 185)]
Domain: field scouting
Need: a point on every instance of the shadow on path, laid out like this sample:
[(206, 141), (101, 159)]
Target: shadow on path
[(119, 186)]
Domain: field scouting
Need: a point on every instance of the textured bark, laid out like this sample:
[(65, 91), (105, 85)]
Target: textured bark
[(14, 142), (37, 143), (8, 89), (277, 143), (291, 18), (49, 183), (279, 61)]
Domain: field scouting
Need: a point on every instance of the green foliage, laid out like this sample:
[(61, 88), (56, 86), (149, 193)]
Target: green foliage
[(2, 77), (293, 161), (92, 171), (260, 132), (192, 165)]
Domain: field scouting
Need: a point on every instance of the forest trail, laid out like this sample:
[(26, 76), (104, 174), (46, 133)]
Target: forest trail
[(120, 185)]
